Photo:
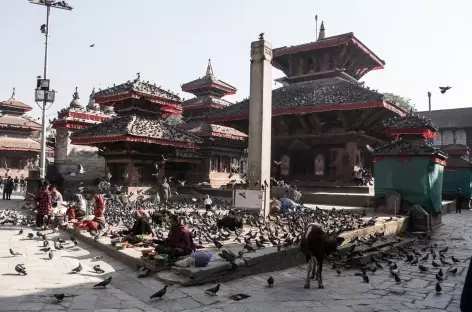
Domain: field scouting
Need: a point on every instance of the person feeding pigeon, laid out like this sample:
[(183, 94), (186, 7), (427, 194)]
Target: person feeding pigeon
[(287, 204), (78, 209), (44, 205), (207, 202), (179, 241), (141, 228)]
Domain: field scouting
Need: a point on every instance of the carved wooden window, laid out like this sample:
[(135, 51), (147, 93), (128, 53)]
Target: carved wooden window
[(437, 139), (448, 137), (461, 137)]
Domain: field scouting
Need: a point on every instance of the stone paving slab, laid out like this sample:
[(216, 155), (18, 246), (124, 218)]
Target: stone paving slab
[(345, 292)]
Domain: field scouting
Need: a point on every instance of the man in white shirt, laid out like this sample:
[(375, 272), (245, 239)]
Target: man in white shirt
[(207, 202)]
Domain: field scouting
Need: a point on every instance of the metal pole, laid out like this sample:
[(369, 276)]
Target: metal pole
[(429, 103), (43, 123)]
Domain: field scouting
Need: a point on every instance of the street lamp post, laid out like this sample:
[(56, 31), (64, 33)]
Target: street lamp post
[(42, 93)]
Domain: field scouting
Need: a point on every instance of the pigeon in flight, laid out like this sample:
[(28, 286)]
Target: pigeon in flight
[(92, 45), (444, 89)]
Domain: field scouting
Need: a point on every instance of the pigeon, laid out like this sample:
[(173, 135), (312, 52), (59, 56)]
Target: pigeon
[(270, 281), (455, 260), (30, 235), (14, 253), (213, 290), (51, 255), (438, 288), (97, 257), (439, 278), (160, 293), (422, 268), (397, 278), (98, 269), (365, 278), (440, 273), (77, 269), (42, 28), (59, 297), (92, 45), (444, 89), (453, 271), (20, 269), (21, 232), (103, 283)]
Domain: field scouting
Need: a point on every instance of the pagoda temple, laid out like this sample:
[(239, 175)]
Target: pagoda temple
[(222, 147), (410, 165), (324, 118), (68, 156), (139, 137), (19, 139)]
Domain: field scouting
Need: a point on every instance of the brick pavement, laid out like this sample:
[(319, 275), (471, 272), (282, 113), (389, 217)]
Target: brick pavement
[(344, 293)]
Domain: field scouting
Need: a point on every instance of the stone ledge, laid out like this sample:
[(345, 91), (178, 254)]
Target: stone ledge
[(128, 256), (269, 259)]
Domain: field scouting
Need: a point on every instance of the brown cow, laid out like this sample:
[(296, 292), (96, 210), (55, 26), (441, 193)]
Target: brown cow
[(315, 246)]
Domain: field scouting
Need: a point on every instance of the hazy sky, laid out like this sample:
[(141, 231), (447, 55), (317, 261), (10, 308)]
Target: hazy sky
[(425, 43)]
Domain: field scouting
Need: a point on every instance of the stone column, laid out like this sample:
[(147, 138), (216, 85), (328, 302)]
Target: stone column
[(260, 118)]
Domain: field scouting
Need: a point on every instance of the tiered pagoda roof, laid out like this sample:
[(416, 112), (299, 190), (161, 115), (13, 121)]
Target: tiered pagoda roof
[(22, 144), (211, 130), (321, 76), (411, 134), (139, 89), (13, 106), (138, 119), (208, 98), (457, 154), (77, 117), (136, 129), (316, 96), (208, 84)]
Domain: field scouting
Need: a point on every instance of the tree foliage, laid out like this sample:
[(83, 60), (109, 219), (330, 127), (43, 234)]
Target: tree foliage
[(401, 101)]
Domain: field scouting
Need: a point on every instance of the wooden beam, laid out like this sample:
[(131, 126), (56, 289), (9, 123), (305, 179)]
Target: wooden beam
[(315, 123), (341, 117), (361, 118), (304, 123), (375, 115), (339, 60), (379, 126)]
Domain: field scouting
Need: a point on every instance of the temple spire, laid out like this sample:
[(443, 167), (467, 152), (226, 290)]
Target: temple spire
[(13, 95), (321, 36), (75, 96), (209, 71)]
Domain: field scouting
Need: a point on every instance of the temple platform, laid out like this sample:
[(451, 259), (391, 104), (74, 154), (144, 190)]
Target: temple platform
[(263, 260)]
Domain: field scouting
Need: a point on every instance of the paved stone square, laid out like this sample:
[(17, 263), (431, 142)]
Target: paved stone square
[(344, 293)]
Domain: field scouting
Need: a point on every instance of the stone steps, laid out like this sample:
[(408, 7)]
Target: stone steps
[(269, 259)]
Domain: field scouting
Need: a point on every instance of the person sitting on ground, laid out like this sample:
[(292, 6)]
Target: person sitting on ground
[(78, 210), (141, 228), (179, 241), (98, 222), (44, 206), (287, 204), (207, 202), (56, 198)]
